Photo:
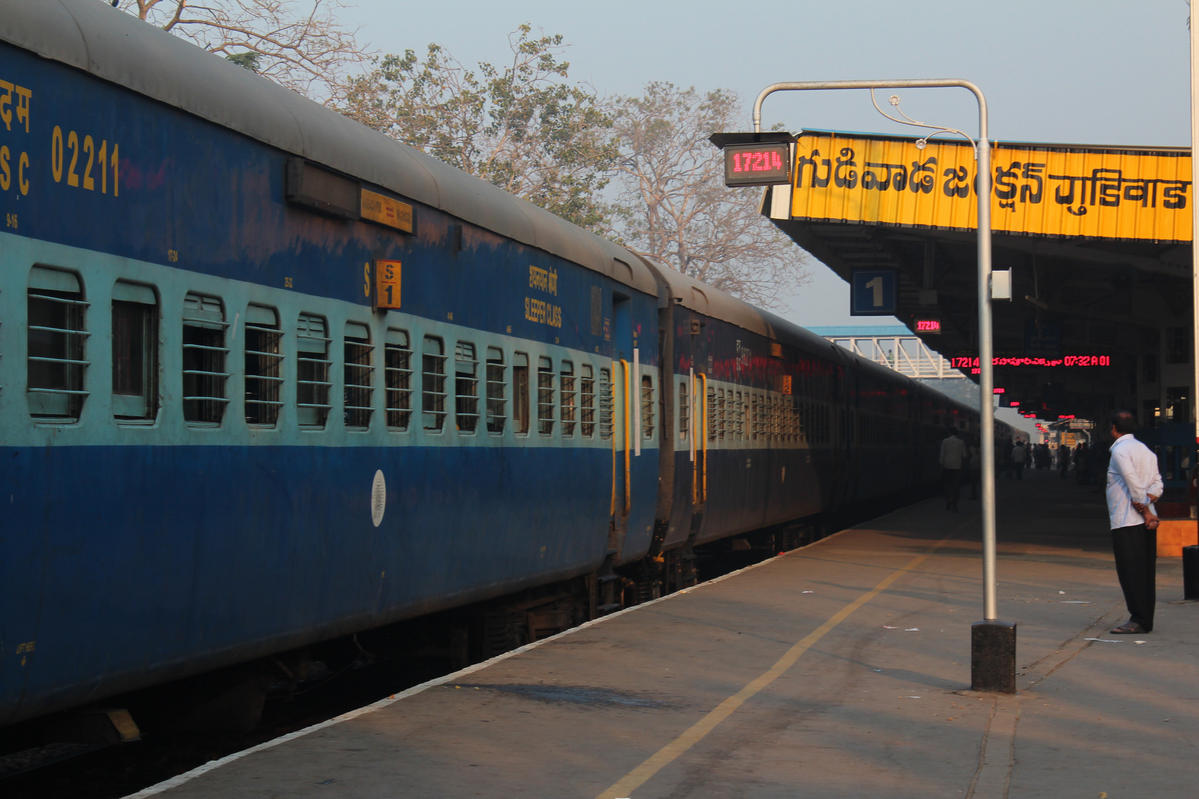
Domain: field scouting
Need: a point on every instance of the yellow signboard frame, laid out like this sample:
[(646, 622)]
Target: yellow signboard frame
[(386, 210), (1041, 190)]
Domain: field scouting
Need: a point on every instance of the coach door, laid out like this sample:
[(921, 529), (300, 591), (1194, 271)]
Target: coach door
[(622, 413)]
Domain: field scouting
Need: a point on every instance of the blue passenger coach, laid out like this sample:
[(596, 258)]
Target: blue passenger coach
[(269, 378)]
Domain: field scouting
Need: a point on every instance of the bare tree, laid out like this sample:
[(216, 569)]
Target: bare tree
[(298, 45), (675, 207), (521, 125)]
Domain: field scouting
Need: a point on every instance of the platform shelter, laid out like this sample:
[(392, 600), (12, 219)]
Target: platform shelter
[(1097, 241)]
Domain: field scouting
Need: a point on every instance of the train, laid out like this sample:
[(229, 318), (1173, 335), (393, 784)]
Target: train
[(269, 378)]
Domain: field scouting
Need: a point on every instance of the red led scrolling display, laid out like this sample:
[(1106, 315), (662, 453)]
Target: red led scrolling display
[(928, 326), (757, 164), (971, 363)]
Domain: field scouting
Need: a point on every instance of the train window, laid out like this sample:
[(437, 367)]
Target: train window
[(587, 400), (56, 345), (647, 407), (684, 410), (568, 398), (496, 391), (710, 419), (433, 383), (606, 421), (134, 352), (264, 366), (545, 396), (520, 393), (720, 411), (397, 371), (313, 378), (466, 387), (204, 359), (359, 373)]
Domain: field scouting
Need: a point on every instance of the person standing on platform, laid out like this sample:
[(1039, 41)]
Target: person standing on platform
[(1133, 485), (1019, 456), (953, 459), (972, 467)]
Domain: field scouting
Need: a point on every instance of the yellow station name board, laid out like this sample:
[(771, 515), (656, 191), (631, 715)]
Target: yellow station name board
[(1038, 190)]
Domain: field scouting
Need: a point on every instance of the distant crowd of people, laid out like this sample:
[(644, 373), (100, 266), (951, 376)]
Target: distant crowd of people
[(1081, 459), (960, 463)]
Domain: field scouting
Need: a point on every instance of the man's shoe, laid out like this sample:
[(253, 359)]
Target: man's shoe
[(1129, 628)]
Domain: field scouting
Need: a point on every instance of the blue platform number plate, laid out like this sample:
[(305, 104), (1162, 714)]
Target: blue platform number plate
[(872, 292)]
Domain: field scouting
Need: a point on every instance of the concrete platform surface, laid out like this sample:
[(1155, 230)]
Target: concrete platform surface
[(839, 670)]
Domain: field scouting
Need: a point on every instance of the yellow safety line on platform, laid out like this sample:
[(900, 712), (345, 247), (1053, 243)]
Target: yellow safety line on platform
[(696, 732)]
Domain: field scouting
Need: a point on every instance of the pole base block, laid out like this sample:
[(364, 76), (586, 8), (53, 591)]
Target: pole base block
[(993, 656), (1190, 572)]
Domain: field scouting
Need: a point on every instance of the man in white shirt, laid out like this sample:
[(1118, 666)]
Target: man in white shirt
[(1133, 485), (953, 456)]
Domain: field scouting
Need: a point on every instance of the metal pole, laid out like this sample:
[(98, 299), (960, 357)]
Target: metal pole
[(986, 382), (1194, 216)]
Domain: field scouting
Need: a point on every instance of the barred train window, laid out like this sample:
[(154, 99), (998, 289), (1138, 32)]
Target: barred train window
[(397, 370), (720, 413), (497, 401), (466, 387), (134, 352), (264, 366), (647, 407), (710, 419), (433, 383), (56, 345), (204, 359), (684, 410), (313, 378), (606, 421), (587, 400), (568, 398), (359, 372), (520, 393), (545, 396)]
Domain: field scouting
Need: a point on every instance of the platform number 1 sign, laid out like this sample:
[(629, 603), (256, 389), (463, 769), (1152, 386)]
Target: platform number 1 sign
[(872, 292)]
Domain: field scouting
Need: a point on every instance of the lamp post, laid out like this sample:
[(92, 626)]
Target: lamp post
[(992, 642), (1194, 32)]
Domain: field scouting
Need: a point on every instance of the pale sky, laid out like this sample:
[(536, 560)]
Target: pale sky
[(1068, 71)]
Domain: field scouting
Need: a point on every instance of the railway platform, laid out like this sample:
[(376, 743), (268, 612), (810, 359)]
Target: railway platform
[(838, 670)]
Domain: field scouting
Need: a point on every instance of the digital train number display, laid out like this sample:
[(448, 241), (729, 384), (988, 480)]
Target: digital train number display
[(762, 164)]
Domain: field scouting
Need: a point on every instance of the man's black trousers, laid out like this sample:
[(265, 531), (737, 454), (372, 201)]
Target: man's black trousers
[(1135, 549)]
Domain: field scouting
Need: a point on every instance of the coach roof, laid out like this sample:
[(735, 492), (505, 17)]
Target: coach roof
[(115, 46)]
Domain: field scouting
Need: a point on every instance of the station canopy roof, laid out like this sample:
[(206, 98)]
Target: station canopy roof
[(1098, 241)]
